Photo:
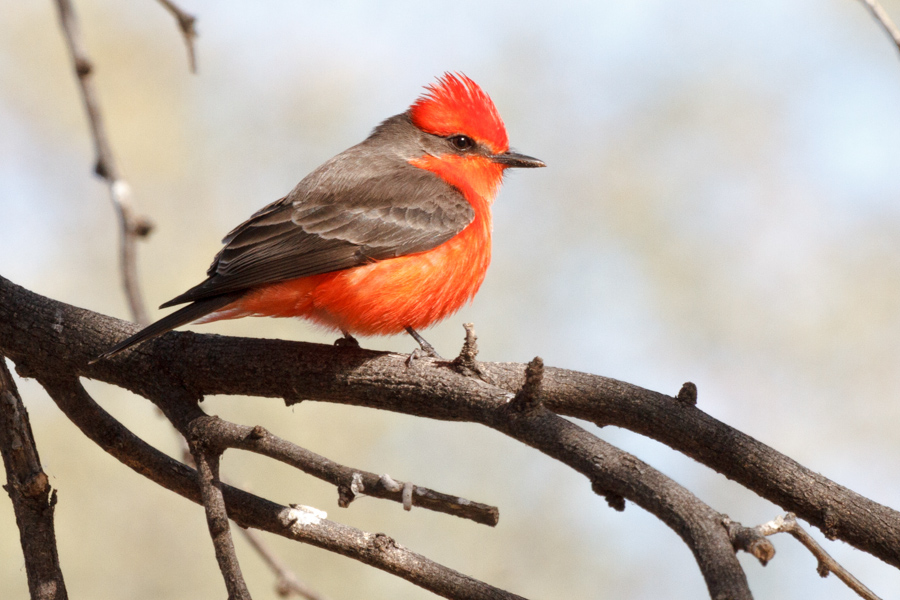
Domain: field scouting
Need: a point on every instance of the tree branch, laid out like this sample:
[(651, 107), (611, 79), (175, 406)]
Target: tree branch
[(788, 524), (247, 510), (207, 461), (186, 23), (839, 512), (350, 482), (175, 365), (214, 365), (288, 583), (751, 541), (884, 19), (32, 498), (131, 227)]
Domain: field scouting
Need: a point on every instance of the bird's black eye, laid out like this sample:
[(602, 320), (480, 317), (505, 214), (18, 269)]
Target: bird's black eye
[(462, 142)]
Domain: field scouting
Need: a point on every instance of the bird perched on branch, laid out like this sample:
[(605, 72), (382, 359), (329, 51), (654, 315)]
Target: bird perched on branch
[(392, 234)]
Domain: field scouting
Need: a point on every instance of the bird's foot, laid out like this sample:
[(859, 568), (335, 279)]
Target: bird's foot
[(348, 341), (427, 350)]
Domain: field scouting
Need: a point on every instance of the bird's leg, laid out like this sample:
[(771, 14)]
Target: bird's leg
[(427, 348), (348, 341)]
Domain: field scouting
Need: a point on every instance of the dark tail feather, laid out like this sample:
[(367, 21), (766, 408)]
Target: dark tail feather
[(189, 313)]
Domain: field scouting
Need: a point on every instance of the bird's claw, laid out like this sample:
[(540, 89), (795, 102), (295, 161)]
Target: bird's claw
[(427, 350), (420, 353), (347, 341)]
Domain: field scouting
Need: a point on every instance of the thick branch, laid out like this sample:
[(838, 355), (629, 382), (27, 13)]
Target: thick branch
[(31, 495), (215, 365), (617, 474), (271, 368), (839, 512), (172, 366)]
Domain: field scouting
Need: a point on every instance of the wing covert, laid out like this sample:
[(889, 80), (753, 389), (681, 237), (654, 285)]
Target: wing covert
[(352, 210)]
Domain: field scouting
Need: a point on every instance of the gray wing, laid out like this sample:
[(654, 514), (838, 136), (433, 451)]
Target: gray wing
[(354, 209)]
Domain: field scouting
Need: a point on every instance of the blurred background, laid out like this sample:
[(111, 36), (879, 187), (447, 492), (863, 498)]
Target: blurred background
[(721, 205)]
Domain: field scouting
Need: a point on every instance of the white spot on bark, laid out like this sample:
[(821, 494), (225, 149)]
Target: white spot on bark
[(299, 515)]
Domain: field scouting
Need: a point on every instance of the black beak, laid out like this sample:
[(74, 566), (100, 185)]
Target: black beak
[(516, 160)]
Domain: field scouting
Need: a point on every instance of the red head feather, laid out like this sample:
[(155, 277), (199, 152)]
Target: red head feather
[(456, 105)]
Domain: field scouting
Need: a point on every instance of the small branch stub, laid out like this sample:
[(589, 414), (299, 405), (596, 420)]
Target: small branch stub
[(141, 226), (615, 501), (687, 394), (465, 363), (529, 397), (751, 540), (348, 493)]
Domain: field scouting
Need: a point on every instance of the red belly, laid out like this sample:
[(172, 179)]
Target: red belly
[(383, 297)]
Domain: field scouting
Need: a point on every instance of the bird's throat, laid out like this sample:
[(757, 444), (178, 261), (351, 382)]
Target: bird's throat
[(475, 176)]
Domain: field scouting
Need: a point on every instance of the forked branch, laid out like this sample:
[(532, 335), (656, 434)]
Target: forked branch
[(297, 523), (379, 380)]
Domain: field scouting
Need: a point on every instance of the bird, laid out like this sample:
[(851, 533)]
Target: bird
[(391, 235)]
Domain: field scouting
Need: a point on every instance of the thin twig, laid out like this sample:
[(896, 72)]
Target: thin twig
[(131, 227), (32, 498), (217, 518), (188, 31), (788, 524), (350, 482), (288, 582), (884, 19)]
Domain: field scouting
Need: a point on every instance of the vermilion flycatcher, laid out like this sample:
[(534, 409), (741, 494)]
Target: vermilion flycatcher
[(393, 234)]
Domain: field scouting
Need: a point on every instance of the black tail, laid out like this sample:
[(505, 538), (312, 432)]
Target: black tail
[(189, 313)]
